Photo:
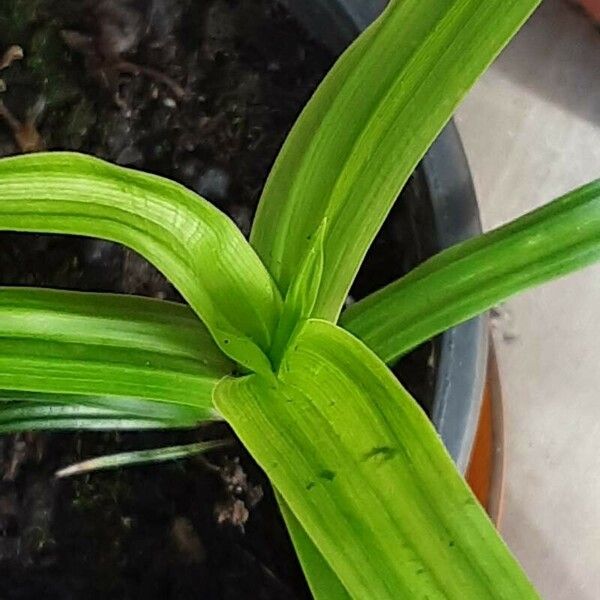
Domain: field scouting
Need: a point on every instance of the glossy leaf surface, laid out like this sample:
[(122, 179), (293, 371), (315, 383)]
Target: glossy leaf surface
[(139, 457), (302, 295), (70, 346), (322, 580), (469, 278), (197, 247), (365, 129), (27, 411), (364, 472)]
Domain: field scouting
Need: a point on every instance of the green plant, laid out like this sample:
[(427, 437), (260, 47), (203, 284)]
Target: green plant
[(374, 504)]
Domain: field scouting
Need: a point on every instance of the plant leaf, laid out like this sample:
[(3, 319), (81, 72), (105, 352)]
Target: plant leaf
[(140, 457), (197, 247), (364, 472), (322, 580), (471, 277), (365, 129), (302, 295), (48, 416), (27, 411), (123, 354)]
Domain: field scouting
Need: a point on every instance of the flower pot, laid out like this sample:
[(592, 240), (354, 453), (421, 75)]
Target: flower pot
[(485, 473)]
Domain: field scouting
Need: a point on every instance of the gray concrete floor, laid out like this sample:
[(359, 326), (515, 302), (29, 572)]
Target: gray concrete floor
[(531, 129)]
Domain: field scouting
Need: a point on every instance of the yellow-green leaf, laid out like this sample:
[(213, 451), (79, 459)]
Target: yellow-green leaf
[(364, 472), (365, 129), (471, 277), (88, 357), (197, 247)]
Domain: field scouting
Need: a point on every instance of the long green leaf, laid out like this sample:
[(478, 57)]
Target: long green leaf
[(196, 246), (322, 580), (25, 416), (27, 411), (363, 132), (364, 472), (469, 278), (301, 296), (140, 457), (125, 348)]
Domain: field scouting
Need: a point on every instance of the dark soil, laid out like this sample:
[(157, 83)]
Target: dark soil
[(200, 528)]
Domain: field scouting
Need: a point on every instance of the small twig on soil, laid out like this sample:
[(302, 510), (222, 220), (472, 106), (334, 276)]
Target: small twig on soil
[(17, 458), (10, 55), (129, 67), (26, 135), (10, 119)]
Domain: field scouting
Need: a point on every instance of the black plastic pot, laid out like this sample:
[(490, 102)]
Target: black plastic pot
[(463, 350)]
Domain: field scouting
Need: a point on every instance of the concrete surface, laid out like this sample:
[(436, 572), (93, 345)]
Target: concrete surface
[(531, 129)]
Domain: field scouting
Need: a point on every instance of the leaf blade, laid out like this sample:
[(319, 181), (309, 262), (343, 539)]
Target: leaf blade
[(322, 580), (27, 411), (473, 276), (128, 355), (302, 295), (366, 127), (362, 469), (139, 457), (196, 246)]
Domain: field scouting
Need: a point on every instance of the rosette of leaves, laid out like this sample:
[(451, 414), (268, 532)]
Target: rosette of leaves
[(374, 504)]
